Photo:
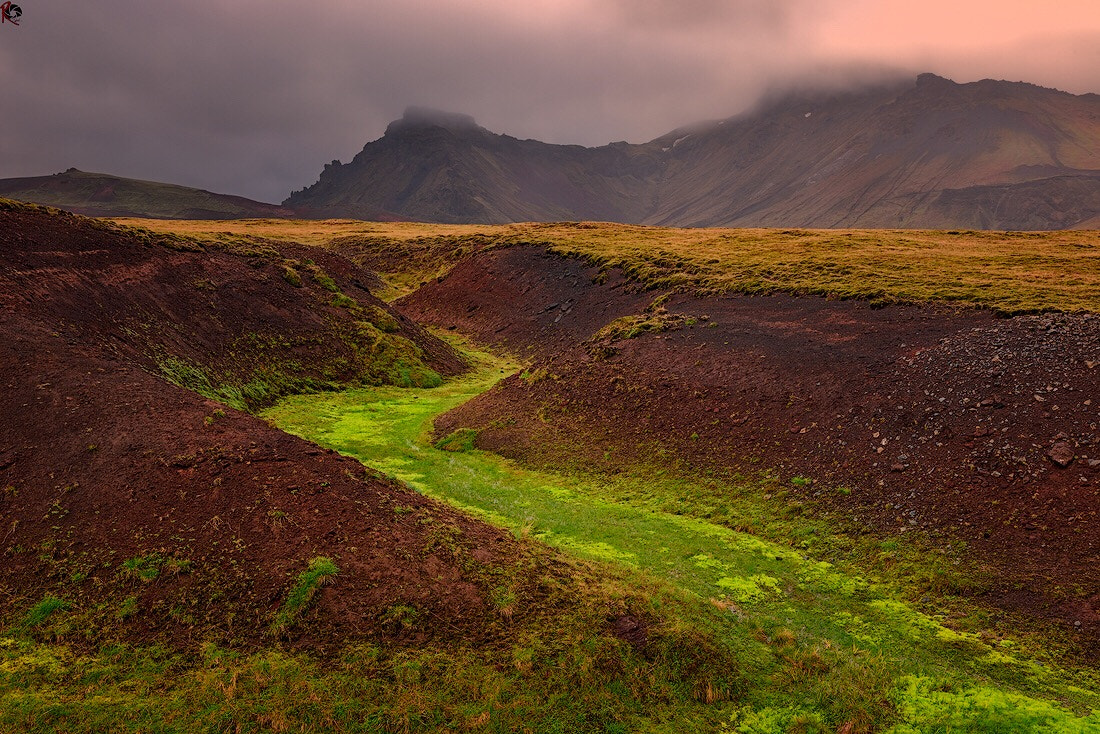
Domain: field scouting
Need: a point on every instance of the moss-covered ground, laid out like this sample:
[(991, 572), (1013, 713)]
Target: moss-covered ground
[(724, 629), (835, 647)]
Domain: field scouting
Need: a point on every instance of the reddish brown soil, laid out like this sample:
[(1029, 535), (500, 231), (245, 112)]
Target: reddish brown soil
[(102, 461), (233, 314), (943, 421), (527, 300)]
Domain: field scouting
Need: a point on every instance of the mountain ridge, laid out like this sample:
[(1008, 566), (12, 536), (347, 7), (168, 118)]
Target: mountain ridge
[(923, 153)]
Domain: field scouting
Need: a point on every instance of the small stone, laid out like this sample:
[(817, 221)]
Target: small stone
[(1061, 453), (897, 467)]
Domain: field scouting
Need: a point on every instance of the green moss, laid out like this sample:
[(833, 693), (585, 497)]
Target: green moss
[(929, 706), (382, 320), (322, 278), (656, 318), (127, 609), (149, 567), (390, 359), (534, 376), (142, 568), (341, 301), (855, 638)]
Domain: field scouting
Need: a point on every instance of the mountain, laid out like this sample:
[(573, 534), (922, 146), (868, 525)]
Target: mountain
[(104, 195), (440, 167), (924, 153)]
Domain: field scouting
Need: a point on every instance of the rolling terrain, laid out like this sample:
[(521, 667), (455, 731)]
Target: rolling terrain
[(105, 459), (741, 351), (743, 480), (910, 418), (173, 562), (928, 153)]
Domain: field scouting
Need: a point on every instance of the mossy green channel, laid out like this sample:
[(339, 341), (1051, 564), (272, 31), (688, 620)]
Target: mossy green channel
[(836, 633)]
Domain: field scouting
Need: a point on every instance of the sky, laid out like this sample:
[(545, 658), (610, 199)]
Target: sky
[(252, 97)]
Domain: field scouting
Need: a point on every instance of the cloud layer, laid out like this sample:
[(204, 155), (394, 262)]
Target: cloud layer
[(252, 97)]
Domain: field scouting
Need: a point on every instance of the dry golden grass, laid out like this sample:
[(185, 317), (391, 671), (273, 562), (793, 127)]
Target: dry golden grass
[(1011, 272), (308, 231)]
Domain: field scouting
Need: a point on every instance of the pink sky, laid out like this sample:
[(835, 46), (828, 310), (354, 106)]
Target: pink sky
[(1055, 44)]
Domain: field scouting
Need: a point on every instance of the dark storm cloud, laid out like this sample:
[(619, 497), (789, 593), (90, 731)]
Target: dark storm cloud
[(252, 96)]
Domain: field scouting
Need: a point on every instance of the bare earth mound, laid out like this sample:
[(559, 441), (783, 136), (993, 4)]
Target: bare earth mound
[(950, 422), (147, 505)]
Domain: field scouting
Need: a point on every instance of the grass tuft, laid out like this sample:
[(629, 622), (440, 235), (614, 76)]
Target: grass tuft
[(320, 572), (42, 611)]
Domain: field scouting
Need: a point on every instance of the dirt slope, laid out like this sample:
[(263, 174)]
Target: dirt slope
[(946, 421), (255, 317), (145, 505)]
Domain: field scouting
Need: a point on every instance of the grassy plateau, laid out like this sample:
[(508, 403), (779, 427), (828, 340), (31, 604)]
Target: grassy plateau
[(1011, 272)]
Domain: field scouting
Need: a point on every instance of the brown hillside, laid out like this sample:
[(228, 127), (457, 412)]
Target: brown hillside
[(243, 318), (951, 422), (144, 504)]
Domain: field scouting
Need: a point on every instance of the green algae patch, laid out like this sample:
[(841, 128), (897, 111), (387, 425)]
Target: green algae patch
[(928, 705), (747, 589)]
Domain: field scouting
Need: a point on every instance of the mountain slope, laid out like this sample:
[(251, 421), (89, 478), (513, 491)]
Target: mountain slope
[(434, 166), (104, 195), (925, 153), (879, 158)]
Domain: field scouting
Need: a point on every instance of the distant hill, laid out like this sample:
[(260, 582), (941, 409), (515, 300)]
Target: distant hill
[(104, 195), (924, 153)]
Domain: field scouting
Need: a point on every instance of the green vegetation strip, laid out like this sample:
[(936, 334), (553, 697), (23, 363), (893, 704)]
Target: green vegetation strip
[(844, 636)]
